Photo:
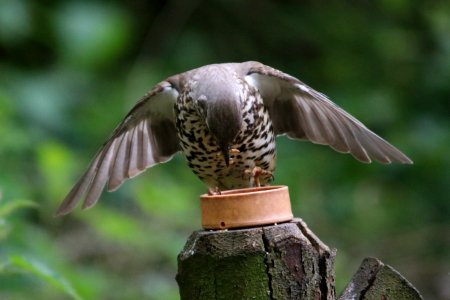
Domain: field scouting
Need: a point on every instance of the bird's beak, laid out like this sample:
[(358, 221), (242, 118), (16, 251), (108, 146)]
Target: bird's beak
[(226, 154)]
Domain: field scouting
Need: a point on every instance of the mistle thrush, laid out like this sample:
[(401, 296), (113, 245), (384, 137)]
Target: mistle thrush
[(224, 119)]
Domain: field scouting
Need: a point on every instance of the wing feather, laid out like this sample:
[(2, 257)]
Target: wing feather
[(147, 158), (303, 113), (133, 147), (140, 164), (101, 176), (133, 169), (79, 188), (118, 174)]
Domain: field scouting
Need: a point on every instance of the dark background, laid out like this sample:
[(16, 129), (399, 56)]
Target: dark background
[(70, 70)]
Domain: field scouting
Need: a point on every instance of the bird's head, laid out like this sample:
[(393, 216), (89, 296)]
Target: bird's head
[(217, 100)]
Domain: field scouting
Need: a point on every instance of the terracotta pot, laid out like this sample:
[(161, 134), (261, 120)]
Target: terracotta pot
[(246, 207)]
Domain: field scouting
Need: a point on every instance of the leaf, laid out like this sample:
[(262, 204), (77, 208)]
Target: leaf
[(7, 208), (43, 272)]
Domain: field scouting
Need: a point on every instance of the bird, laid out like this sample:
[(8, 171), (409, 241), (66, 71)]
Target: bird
[(224, 119)]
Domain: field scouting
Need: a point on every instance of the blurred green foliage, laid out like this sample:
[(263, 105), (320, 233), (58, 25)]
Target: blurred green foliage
[(70, 70)]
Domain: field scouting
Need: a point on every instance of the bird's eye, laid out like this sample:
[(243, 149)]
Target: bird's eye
[(201, 102)]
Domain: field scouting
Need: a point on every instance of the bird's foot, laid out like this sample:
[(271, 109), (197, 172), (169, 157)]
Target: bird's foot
[(256, 172), (232, 151), (214, 191)]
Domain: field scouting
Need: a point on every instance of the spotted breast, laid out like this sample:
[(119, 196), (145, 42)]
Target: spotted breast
[(252, 150)]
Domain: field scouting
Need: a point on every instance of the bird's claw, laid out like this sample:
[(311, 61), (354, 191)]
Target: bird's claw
[(232, 151), (256, 172), (214, 191)]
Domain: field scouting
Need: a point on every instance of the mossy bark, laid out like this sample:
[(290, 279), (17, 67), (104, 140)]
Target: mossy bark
[(285, 261), (375, 280)]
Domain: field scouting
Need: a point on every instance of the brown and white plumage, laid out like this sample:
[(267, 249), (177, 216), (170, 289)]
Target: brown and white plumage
[(216, 108)]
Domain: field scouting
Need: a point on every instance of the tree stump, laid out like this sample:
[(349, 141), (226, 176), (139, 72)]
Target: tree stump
[(285, 261), (375, 280)]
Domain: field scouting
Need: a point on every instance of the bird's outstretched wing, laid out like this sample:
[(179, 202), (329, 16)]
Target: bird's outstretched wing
[(303, 113), (145, 137)]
